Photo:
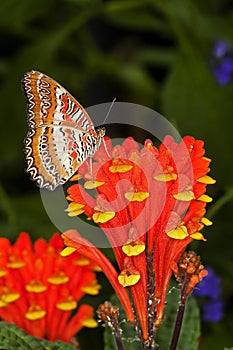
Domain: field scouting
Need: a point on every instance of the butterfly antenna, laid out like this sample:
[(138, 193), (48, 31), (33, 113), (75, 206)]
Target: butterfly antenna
[(109, 110)]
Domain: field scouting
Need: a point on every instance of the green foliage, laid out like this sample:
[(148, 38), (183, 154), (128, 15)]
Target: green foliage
[(190, 331), (13, 338)]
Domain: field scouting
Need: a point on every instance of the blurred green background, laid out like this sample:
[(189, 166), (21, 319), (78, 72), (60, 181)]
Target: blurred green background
[(154, 53)]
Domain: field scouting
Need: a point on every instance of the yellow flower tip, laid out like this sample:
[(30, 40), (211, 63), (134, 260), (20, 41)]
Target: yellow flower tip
[(16, 264), (127, 279), (92, 289), (180, 232), (121, 168), (96, 268), (68, 304), (67, 251), (90, 323), (166, 177), (75, 209), (102, 217), (90, 185), (206, 222), (36, 287), (82, 262), (35, 313), (207, 180), (2, 303), (208, 159), (136, 196), (3, 273), (205, 198), (198, 236), (184, 196), (75, 213), (134, 248), (76, 177), (10, 297), (58, 278)]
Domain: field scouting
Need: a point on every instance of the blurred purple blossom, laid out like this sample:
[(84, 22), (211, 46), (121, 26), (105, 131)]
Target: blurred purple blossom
[(212, 311), (221, 62), (210, 287)]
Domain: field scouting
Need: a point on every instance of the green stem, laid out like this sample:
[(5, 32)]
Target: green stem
[(227, 197)]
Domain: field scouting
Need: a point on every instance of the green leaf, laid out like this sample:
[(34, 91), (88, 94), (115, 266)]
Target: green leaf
[(13, 338), (190, 331), (129, 336)]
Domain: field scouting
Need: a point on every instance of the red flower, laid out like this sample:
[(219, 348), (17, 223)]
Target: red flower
[(150, 204), (39, 289)]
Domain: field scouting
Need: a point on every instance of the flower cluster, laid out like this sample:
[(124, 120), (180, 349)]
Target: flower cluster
[(151, 204), (222, 62), (39, 289)]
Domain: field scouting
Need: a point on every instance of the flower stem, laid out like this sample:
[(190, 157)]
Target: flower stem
[(178, 325), (118, 341)]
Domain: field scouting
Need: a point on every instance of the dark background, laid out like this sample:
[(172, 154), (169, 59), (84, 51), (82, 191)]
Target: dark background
[(153, 53)]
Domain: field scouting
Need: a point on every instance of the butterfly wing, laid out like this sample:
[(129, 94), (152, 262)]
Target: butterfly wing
[(58, 126), (50, 103), (53, 154)]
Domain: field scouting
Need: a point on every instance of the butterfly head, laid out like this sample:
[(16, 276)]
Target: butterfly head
[(100, 133)]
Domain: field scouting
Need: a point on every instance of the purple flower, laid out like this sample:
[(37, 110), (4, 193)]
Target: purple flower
[(210, 287), (222, 62), (212, 311)]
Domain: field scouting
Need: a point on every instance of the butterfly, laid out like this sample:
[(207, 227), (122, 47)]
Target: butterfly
[(61, 134)]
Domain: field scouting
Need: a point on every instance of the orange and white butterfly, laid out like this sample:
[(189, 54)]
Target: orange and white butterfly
[(61, 134)]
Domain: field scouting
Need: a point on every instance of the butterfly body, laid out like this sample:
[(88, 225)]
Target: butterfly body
[(61, 134)]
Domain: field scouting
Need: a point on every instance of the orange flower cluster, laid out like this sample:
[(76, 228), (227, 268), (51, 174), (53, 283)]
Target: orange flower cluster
[(151, 204), (39, 289)]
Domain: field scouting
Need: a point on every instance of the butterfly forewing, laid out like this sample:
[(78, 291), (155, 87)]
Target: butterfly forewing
[(61, 134)]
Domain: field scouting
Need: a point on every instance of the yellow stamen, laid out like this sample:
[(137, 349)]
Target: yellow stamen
[(133, 248), (92, 289), (35, 313), (36, 286), (100, 217), (184, 196), (206, 222), (16, 264), (198, 236), (3, 273), (127, 278), (206, 180), (10, 297), (136, 196), (67, 305), (180, 232), (205, 198), (121, 168), (2, 303), (90, 323), (58, 278), (166, 177), (82, 262), (90, 185), (67, 251), (75, 209)]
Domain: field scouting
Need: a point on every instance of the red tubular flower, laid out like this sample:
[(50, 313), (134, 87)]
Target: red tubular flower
[(151, 205), (39, 289)]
